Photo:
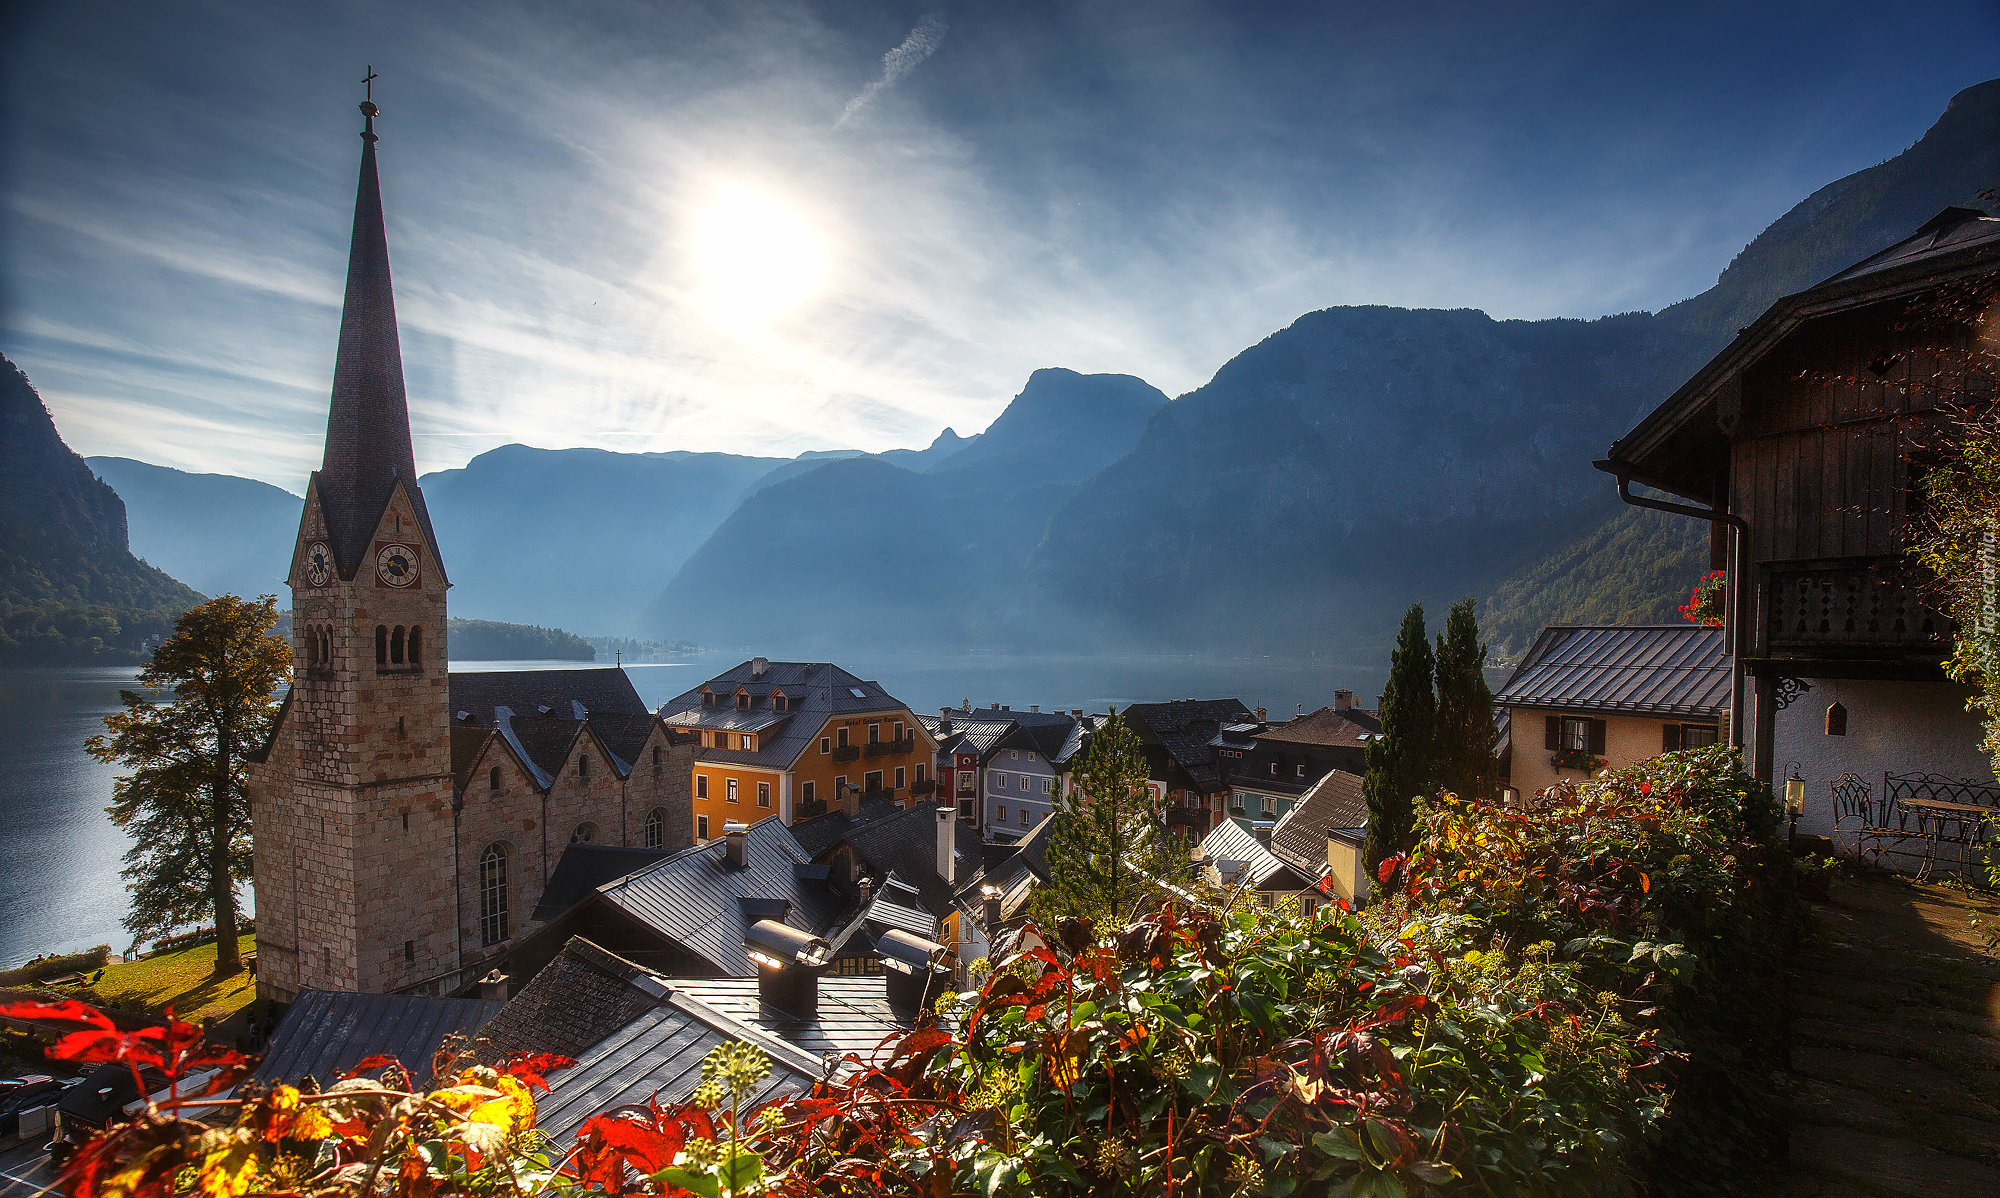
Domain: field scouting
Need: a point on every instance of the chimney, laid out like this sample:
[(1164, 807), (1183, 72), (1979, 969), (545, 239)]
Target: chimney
[(735, 845), (915, 970), (947, 844), (1343, 700), (759, 667), (1260, 715), (493, 987), (850, 800), (1076, 713), (788, 963), (867, 888), (989, 913)]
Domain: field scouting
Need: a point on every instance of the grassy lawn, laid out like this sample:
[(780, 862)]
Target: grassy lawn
[(181, 980)]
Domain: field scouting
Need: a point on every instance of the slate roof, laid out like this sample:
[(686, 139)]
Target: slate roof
[(582, 868), (467, 743), (905, 845), (696, 901), (1351, 728), (325, 1032), (821, 832), (660, 1053), (1657, 670), (581, 996), (815, 692), (540, 713), (854, 1014), (1184, 727), (1334, 804)]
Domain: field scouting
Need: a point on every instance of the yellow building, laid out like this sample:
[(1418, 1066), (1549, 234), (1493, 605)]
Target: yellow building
[(1587, 698), (787, 739)]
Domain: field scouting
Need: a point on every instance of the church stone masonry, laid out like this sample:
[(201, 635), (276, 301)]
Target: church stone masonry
[(369, 843)]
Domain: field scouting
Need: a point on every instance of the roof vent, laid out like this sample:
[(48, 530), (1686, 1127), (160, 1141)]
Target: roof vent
[(916, 970), (543, 708), (789, 963), (463, 715)]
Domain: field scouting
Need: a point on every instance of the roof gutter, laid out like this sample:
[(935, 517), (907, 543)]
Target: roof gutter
[(1739, 532)]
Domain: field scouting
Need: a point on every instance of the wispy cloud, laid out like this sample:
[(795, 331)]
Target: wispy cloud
[(922, 42)]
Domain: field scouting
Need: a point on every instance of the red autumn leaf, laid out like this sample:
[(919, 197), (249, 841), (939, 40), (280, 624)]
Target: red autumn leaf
[(634, 1136), (380, 1060), (531, 1068), (1645, 884)]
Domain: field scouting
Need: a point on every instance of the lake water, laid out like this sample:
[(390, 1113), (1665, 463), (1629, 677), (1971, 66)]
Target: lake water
[(59, 855)]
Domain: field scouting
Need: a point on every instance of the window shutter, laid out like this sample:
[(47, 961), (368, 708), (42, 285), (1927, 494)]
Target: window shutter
[(1670, 737), (1597, 737), (1554, 737)]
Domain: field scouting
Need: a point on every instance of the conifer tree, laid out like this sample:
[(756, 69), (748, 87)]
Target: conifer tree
[(1399, 763), (209, 700), (1463, 757), (1109, 848)]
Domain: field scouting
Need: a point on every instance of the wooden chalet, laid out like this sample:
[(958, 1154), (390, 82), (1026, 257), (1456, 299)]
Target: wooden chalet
[(1804, 444)]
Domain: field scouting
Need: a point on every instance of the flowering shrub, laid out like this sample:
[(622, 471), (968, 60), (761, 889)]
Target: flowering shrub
[(1572, 998), (1582, 760), (1704, 606)]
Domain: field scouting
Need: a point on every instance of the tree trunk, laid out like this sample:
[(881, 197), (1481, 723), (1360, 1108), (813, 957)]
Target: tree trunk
[(221, 886)]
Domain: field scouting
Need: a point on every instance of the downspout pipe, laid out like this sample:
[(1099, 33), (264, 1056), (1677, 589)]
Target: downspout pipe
[(1739, 532)]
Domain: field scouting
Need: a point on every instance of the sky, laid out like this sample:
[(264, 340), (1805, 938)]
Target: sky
[(775, 227)]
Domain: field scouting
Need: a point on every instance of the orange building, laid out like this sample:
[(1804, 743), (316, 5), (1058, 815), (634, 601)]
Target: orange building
[(788, 739)]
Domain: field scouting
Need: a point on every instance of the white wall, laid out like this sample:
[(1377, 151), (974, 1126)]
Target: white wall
[(1900, 727)]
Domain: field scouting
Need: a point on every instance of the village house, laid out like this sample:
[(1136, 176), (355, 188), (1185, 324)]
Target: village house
[(1804, 444), (1176, 738), (784, 738), (1311, 855), (1006, 768), (1267, 767), (1609, 696)]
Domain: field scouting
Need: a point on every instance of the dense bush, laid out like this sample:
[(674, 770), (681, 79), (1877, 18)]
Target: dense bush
[(1553, 1000)]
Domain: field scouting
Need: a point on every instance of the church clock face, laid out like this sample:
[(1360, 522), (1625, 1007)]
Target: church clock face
[(319, 563), (396, 566)]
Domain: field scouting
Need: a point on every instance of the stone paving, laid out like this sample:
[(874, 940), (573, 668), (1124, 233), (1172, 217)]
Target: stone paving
[(1895, 1084)]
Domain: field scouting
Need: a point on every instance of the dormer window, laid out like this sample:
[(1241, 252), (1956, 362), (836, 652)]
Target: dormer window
[(742, 700), (778, 702), (707, 697)]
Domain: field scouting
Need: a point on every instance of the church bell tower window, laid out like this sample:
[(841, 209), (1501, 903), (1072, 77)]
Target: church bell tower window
[(381, 646), (416, 651), (396, 646)]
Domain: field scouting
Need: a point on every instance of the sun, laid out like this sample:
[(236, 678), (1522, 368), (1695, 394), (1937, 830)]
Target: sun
[(756, 258)]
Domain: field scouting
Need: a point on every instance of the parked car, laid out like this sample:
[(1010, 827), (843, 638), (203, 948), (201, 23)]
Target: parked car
[(21, 1093)]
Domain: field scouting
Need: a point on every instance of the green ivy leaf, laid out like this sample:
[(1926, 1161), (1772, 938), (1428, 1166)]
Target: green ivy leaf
[(705, 1184)]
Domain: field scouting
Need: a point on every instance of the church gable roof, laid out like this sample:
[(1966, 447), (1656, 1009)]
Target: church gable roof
[(604, 690)]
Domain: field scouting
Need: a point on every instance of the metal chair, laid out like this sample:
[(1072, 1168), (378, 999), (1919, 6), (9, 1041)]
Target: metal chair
[(1858, 815)]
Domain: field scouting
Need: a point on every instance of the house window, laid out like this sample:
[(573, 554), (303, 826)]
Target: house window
[(1236, 800), (839, 784), (1013, 754), (871, 782), (777, 702), (744, 743), (1302, 771), (729, 791), (1024, 781), (763, 794), (874, 734), (492, 896), (899, 777), (1048, 786), (1022, 815), (841, 733), (1574, 733), (701, 786), (493, 779), (1274, 769), (701, 828), (999, 781), (965, 810), (825, 744), (1001, 811), (585, 833), (1270, 805), (708, 698), (1688, 736), (653, 832), (898, 729), (743, 701), (806, 791), (920, 773)]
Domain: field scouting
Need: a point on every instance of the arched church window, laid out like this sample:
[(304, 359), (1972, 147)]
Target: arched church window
[(656, 759), (396, 646), (493, 923), (583, 769), (416, 646), (325, 638), (312, 648), (586, 833), (654, 831), (493, 779), (381, 644)]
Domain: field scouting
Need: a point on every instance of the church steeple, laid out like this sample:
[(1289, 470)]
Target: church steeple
[(368, 427)]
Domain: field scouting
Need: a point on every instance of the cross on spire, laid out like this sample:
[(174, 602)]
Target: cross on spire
[(369, 82), (368, 110)]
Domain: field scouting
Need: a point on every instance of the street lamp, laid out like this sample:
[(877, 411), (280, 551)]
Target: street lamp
[(1795, 797)]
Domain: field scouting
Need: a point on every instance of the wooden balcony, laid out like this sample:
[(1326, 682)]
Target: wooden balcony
[(890, 748), (1854, 610)]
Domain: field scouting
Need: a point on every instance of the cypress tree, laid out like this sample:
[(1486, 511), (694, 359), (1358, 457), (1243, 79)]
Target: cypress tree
[(1399, 763), (1463, 757)]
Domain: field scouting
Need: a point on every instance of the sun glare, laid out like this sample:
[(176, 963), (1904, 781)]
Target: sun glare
[(756, 257)]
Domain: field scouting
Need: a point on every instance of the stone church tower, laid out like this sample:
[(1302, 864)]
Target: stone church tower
[(351, 805)]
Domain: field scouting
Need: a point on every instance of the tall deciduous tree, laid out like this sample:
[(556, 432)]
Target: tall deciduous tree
[(1399, 763), (1463, 754), (1109, 848), (208, 701)]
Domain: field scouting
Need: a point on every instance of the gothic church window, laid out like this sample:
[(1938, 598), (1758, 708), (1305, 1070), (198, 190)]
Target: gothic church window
[(654, 831), (493, 779), (492, 896), (586, 833), (583, 769)]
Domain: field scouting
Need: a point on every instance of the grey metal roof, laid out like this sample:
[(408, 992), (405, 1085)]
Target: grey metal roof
[(854, 1013), (816, 834), (695, 900), (1664, 669), (814, 692), (582, 868), (540, 713), (1230, 842), (325, 1032), (905, 846), (884, 910), (660, 1053)]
